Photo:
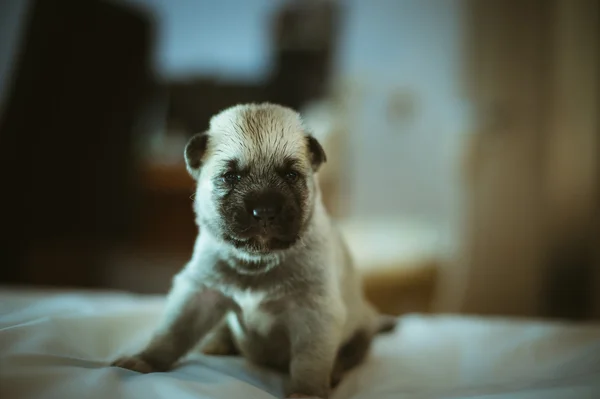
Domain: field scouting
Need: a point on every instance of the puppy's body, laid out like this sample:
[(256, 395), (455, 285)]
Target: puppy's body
[(264, 304), (270, 276)]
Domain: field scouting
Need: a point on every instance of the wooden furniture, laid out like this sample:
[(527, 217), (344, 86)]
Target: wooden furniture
[(67, 140), (532, 170), (399, 261)]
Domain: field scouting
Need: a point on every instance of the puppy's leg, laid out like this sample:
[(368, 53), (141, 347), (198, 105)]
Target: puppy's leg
[(220, 342), (350, 355), (314, 338), (191, 311)]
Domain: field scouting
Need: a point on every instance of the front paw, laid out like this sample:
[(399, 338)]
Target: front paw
[(301, 395), (134, 363)]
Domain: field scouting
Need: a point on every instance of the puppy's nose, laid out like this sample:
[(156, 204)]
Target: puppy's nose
[(265, 212), (265, 206)]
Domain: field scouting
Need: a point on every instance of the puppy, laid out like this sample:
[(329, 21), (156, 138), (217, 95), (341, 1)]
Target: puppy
[(270, 277)]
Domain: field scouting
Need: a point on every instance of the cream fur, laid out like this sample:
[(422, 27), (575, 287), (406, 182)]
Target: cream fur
[(317, 292)]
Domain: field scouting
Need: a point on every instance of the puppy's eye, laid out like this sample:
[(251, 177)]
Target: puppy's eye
[(291, 176), (231, 178)]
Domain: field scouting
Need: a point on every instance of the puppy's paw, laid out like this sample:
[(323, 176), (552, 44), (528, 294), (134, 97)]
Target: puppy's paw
[(134, 363), (301, 395)]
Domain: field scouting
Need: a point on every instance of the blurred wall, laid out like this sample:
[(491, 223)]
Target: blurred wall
[(225, 38), (402, 161)]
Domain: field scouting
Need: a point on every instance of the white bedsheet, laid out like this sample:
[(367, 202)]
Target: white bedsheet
[(58, 345)]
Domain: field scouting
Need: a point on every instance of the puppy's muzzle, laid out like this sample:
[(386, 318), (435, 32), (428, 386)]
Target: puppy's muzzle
[(265, 207)]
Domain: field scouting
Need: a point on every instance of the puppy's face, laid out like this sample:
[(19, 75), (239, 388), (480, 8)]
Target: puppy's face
[(255, 171)]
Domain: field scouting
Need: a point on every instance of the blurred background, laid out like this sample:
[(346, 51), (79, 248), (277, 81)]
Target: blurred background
[(462, 140)]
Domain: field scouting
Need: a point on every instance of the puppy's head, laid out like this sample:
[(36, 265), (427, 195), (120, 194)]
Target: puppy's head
[(255, 171)]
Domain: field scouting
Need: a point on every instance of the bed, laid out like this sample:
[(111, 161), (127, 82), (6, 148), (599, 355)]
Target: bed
[(58, 345)]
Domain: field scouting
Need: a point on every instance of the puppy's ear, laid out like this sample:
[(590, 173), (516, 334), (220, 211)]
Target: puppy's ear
[(194, 152), (317, 154)]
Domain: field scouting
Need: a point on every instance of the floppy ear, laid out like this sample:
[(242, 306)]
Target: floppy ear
[(194, 152), (317, 154)]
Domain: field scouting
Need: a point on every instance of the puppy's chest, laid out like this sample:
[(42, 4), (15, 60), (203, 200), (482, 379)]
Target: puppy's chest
[(256, 311)]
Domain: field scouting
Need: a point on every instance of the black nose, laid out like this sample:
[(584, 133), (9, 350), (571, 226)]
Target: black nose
[(265, 206), (265, 212)]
